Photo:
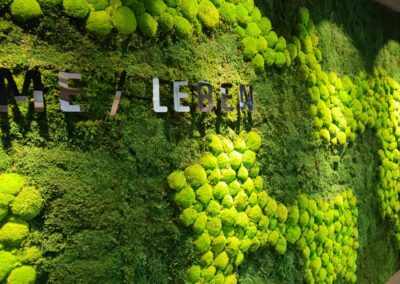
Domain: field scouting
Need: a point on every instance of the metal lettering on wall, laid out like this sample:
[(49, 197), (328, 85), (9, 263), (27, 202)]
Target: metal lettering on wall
[(9, 93)]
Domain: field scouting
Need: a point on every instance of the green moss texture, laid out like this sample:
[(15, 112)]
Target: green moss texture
[(302, 190)]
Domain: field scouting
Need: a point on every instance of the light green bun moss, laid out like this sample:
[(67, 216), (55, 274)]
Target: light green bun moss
[(76, 8), (177, 180), (22, 275), (13, 233), (166, 22), (98, 5), (28, 204), (147, 25), (189, 9), (193, 273), (183, 27), (11, 183), (7, 261), (228, 13), (99, 24), (25, 10), (124, 20), (208, 14), (195, 175), (155, 7)]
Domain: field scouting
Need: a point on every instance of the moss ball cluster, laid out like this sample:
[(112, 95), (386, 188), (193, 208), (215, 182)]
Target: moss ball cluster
[(343, 107), (223, 201), (18, 205)]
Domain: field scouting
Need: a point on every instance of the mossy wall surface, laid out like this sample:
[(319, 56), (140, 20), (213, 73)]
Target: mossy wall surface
[(109, 215)]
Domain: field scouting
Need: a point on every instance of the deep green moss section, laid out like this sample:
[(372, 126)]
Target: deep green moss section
[(109, 216)]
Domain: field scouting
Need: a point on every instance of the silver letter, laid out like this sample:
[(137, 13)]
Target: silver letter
[(115, 104), (225, 97), (207, 96), (156, 97), (66, 91), (178, 96)]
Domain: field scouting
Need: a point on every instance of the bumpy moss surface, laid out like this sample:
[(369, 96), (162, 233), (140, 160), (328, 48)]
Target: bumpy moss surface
[(18, 207), (134, 152)]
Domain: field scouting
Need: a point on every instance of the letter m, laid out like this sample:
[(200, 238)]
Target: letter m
[(246, 98), (8, 87)]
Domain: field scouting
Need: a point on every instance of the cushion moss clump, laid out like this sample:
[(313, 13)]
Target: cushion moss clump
[(189, 9), (11, 183), (28, 204), (22, 275), (148, 26), (227, 12), (76, 8), (124, 20), (13, 232), (155, 7), (195, 175), (99, 5), (7, 261), (166, 22), (25, 10), (177, 180), (99, 24), (208, 14), (183, 27)]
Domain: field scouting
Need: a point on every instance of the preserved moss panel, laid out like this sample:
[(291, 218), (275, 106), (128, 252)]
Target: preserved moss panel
[(118, 223)]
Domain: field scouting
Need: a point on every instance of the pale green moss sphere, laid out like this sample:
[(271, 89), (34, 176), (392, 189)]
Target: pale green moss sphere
[(25, 10), (99, 24), (208, 14), (11, 183), (124, 20), (13, 233), (28, 204), (7, 261), (22, 275), (147, 25), (99, 5), (76, 8)]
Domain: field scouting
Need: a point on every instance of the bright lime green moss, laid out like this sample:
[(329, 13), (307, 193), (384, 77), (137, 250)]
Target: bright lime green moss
[(22, 275), (28, 204), (76, 8), (208, 14), (214, 226), (177, 180), (189, 9), (166, 22), (148, 26), (24, 10), (250, 48), (228, 13), (195, 175), (188, 216), (258, 62), (155, 7), (185, 197), (99, 24), (193, 273), (11, 183), (7, 261), (204, 193), (280, 59), (200, 223), (203, 243), (13, 233), (242, 15), (124, 20), (221, 261), (183, 27)]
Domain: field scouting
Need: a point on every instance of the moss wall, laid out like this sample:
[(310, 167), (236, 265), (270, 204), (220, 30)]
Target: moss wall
[(109, 215)]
